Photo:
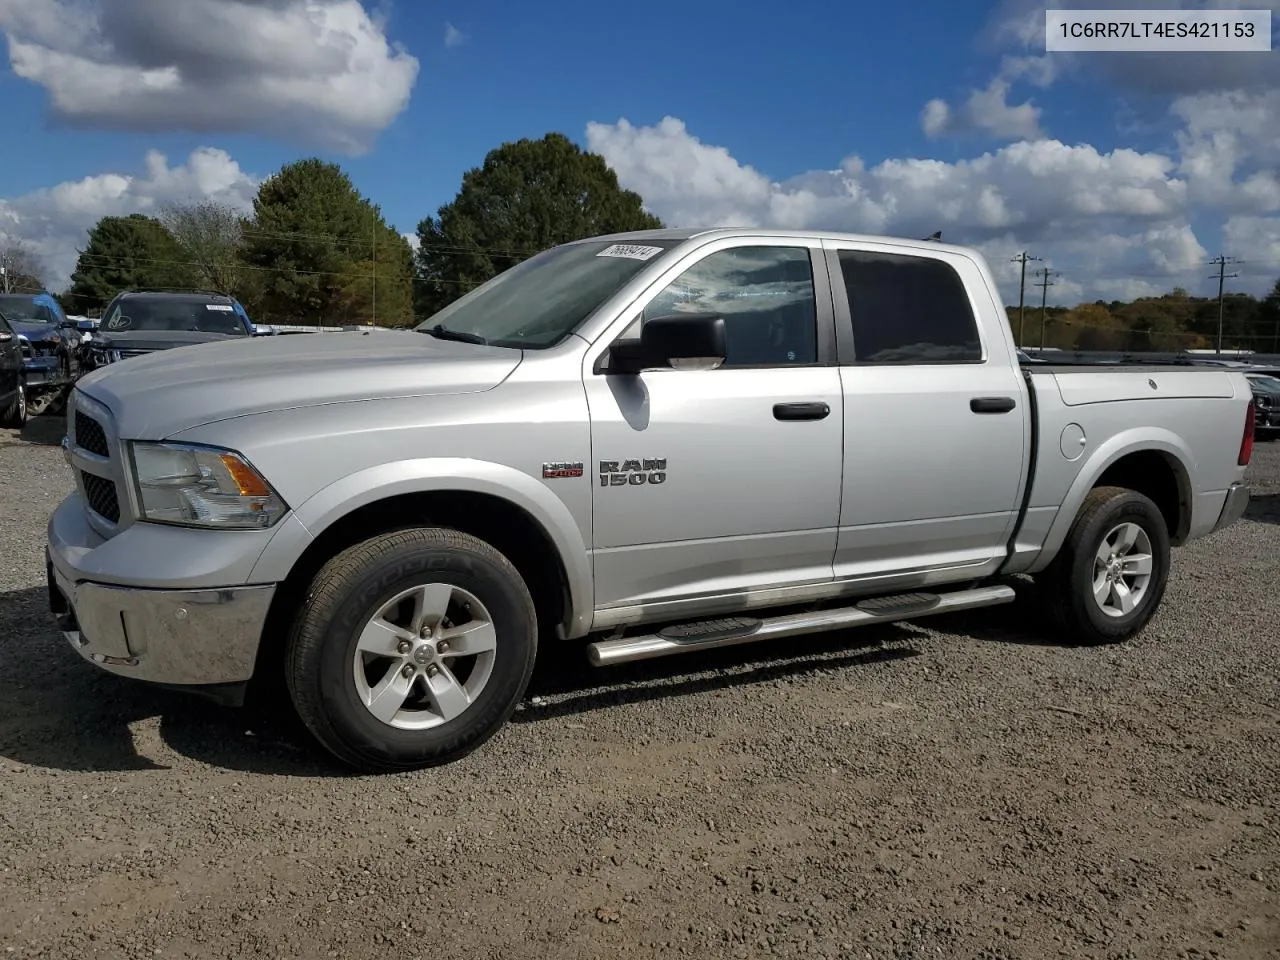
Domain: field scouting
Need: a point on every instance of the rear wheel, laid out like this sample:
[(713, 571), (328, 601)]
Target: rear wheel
[(1109, 577), (413, 649), (16, 416)]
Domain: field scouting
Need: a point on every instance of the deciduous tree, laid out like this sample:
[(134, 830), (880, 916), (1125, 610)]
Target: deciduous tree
[(23, 270), (210, 235)]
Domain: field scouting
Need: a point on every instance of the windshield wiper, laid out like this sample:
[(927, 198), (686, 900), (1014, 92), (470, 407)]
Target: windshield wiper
[(441, 332)]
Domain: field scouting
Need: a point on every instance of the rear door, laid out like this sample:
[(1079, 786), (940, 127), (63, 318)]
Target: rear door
[(935, 425)]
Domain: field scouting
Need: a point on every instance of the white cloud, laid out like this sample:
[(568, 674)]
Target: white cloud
[(986, 112), (56, 221), (1228, 134), (1116, 223), (1040, 71), (413, 241), (453, 37), (1256, 241), (319, 72)]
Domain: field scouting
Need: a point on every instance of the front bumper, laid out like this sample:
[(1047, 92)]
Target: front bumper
[(202, 636), (1233, 507), (42, 371)]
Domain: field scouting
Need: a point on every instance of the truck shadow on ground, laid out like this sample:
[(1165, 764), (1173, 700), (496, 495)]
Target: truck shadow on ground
[(46, 430), (1264, 508), (565, 683), (58, 712)]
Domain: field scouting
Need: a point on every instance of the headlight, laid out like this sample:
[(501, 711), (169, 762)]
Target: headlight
[(200, 486)]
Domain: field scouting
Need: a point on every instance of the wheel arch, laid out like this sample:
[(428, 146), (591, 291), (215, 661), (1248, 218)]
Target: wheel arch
[(1156, 463), (506, 508)]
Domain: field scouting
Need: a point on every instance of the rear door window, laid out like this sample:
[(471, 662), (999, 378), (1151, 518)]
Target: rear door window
[(908, 310)]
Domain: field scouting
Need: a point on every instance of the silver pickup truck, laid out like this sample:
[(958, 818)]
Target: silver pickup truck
[(654, 443)]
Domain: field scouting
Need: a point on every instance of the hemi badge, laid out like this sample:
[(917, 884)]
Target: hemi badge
[(561, 469)]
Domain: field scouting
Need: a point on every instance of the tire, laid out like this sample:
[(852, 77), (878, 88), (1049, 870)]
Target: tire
[(335, 685), (16, 416), (1067, 586)]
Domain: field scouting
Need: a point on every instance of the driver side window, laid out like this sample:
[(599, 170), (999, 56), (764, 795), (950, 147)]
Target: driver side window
[(765, 295)]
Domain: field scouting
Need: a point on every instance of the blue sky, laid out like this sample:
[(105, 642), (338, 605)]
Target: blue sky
[(1126, 172)]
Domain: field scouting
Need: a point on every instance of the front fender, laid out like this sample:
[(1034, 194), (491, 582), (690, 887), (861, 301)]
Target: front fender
[(387, 480), (1136, 440)]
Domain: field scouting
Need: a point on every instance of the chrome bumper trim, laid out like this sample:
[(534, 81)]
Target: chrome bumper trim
[(178, 637), (1234, 507)]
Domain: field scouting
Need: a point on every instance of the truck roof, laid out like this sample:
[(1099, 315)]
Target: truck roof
[(690, 233), (201, 295)]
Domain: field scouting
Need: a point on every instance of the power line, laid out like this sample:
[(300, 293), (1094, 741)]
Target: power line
[(1222, 262), (1022, 292), (102, 259), (500, 253)]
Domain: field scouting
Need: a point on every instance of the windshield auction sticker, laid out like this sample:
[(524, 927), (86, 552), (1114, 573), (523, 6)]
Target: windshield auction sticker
[(630, 251), (1127, 31), (221, 307)]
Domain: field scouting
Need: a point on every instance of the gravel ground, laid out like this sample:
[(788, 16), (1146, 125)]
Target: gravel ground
[(958, 788)]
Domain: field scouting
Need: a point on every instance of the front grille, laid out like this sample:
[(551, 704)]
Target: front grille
[(90, 435), (101, 494)]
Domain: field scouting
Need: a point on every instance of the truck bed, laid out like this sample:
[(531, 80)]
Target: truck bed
[(1083, 424)]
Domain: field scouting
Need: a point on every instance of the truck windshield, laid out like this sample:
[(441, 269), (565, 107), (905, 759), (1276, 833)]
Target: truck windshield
[(539, 302), (177, 314)]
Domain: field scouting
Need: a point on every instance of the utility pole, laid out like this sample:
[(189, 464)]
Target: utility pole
[(1275, 335), (4, 270), (375, 271), (1044, 285), (1022, 293), (1223, 276)]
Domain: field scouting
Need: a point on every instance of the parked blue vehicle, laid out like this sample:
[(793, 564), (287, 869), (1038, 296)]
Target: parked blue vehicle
[(48, 341)]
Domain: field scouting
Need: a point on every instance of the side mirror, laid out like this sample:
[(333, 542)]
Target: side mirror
[(683, 341)]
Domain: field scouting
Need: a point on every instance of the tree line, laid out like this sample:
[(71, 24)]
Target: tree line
[(315, 250), (1169, 323)]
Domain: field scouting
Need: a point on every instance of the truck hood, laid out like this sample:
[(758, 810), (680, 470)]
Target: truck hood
[(144, 341), (34, 331), (157, 395)]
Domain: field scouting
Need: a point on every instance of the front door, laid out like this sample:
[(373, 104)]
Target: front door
[(718, 482), (935, 430)]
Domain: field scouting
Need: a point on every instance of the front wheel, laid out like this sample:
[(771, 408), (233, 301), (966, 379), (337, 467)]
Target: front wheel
[(1111, 571), (413, 649)]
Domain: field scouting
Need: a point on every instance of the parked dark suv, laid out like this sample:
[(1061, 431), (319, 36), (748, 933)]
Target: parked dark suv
[(139, 321), (1266, 404)]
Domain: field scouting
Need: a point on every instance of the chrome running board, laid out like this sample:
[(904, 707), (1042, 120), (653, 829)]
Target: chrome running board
[(731, 631)]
